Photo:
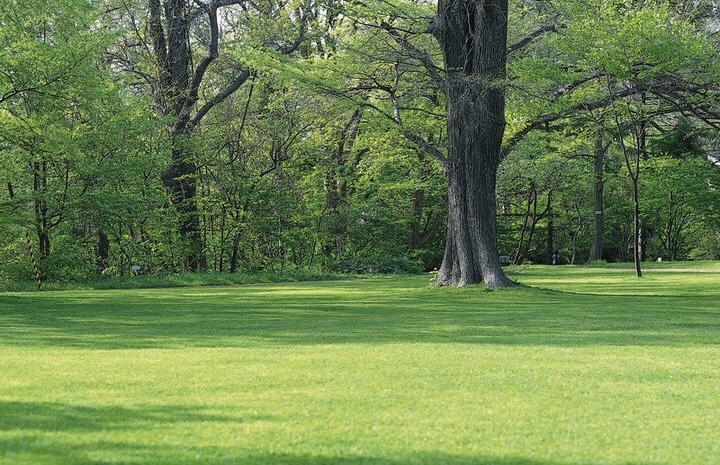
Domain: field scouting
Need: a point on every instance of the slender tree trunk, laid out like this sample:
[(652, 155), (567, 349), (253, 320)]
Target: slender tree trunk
[(528, 227), (632, 164), (41, 207), (420, 234), (639, 233), (575, 236), (637, 246), (473, 37), (336, 186), (596, 251), (550, 232), (415, 224)]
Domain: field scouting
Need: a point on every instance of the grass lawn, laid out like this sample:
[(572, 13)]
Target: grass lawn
[(585, 366)]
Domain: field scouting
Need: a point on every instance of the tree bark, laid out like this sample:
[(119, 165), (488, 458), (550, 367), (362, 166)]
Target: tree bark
[(473, 38)]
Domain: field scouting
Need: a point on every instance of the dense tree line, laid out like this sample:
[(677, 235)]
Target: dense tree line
[(143, 136)]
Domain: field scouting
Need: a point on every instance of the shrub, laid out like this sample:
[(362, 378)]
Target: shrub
[(380, 264)]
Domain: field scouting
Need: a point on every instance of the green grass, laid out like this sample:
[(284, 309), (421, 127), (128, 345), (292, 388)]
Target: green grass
[(584, 366)]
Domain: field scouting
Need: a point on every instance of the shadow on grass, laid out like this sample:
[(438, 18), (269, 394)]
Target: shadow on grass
[(351, 312), (56, 417), (131, 454), (73, 435)]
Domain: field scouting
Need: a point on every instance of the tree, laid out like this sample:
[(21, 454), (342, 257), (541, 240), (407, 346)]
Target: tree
[(247, 198), (616, 70), (169, 26), (52, 94), (182, 85), (471, 90), (473, 38)]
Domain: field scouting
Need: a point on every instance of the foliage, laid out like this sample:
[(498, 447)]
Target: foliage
[(382, 265), (677, 206), (314, 162)]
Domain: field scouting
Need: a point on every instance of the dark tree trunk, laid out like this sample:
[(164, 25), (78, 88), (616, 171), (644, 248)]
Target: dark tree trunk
[(42, 222), (171, 44), (234, 252), (639, 254), (637, 229), (551, 256), (473, 38), (102, 253), (180, 181)]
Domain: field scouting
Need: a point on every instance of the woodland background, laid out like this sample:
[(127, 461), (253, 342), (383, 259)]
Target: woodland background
[(273, 135)]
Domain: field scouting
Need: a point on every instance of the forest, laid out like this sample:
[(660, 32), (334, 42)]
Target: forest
[(157, 136)]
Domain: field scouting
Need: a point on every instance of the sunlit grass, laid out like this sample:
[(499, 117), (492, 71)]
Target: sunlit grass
[(672, 279), (602, 368)]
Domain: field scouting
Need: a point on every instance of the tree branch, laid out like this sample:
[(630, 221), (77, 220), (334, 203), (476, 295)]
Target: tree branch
[(157, 33), (199, 73), (416, 53), (531, 38), (426, 147), (226, 92), (542, 120)]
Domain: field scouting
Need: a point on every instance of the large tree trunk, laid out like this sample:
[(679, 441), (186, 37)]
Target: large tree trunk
[(172, 52), (473, 37)]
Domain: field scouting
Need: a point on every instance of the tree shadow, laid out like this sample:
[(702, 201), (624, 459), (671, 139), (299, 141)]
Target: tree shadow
[(330, 313), (55, 417), (131, 454), (52, 433)]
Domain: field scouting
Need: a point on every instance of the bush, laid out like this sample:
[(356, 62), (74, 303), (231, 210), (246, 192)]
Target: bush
[(381, 265)]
